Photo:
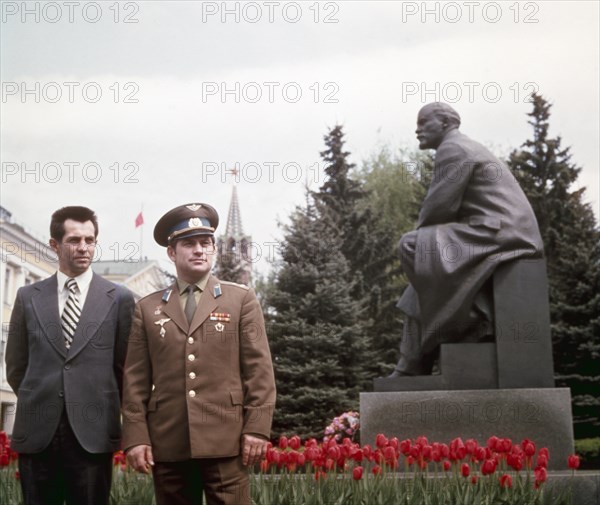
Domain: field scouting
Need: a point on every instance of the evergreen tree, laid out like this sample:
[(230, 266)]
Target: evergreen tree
[(315, 340), (394, 188), (572, 249), (230, 265)]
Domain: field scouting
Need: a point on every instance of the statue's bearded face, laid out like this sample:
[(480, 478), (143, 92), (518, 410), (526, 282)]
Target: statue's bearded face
[(431, 129)]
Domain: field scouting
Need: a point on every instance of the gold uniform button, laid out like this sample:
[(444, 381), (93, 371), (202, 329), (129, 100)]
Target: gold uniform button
[(190, 340), (192, 375), (192, 393), (191, 357)]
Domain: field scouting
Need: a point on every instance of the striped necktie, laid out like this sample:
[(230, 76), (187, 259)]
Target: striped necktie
[(71, 313)]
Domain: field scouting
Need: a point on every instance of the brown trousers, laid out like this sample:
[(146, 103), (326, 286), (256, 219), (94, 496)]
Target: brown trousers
[(224, 481)]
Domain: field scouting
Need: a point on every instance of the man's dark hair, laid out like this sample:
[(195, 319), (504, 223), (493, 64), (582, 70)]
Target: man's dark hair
[(79, 214)]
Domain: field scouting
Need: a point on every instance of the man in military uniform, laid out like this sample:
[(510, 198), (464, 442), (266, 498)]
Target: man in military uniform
[(199, 389)]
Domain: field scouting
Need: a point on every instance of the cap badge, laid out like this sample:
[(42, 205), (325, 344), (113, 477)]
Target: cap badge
[(194, 222), (193, 207)]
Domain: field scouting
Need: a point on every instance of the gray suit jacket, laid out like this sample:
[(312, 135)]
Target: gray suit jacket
[(85, 381), (474, 217)]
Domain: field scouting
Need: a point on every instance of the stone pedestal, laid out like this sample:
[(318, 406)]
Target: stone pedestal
[(542, 415)]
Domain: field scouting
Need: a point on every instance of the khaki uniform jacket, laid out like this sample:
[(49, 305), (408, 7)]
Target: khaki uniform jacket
[(191, 391)]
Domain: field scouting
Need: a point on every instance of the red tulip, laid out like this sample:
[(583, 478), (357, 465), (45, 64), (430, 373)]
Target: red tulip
[(415, 451), (405, 447), (474, 479), (294, 442), (358, 455), (367, 450), (4, 460), (542, 460), (505, 445), (446, 465), (465, 470), (541, 474), (492, 442), (334, 452), (357, 473), (573, 461), (480, 453), (528, 447), (381, 441), (264, 466), (283, 442), (389, 453), (506, 481), (301, 459), (489, 466), (18, 475), (471, 445), (515, 461), (376, 470)]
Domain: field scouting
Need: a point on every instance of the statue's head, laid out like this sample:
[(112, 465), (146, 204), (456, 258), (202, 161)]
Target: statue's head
[(434, 121)]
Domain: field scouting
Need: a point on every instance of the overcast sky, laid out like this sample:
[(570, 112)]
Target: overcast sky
[(131, 105)]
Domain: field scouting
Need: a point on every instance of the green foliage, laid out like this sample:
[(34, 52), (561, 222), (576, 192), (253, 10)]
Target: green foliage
[(395, 185), (333, 324), (589, 450), (313, 331), (389, 488), (572, 249)]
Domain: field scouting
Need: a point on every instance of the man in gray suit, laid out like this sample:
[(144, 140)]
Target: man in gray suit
[(474, 216), (64, 359)]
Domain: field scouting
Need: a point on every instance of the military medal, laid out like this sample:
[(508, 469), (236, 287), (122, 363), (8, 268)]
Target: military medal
[(219, 326), (220, 316), (157, 311), (162, 322)]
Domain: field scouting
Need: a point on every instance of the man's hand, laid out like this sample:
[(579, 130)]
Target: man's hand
[(140, 458), (254, 449)]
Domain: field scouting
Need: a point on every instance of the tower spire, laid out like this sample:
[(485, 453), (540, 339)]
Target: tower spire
[(233, 263), (234, 219)]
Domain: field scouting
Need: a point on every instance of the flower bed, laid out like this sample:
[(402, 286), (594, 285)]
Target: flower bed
[(393, 472)]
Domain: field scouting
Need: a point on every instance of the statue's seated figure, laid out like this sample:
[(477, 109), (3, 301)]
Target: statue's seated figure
[(475, 218)]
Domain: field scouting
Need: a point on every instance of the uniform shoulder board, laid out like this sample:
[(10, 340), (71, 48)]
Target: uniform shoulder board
[(243, 286), (153, 294)]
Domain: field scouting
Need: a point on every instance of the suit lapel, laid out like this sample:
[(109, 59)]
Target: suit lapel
[(98, 302), (45, 307), (173, 309), (207, 305)]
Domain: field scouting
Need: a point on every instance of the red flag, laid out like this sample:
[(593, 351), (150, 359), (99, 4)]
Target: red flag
[(139, 220)]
